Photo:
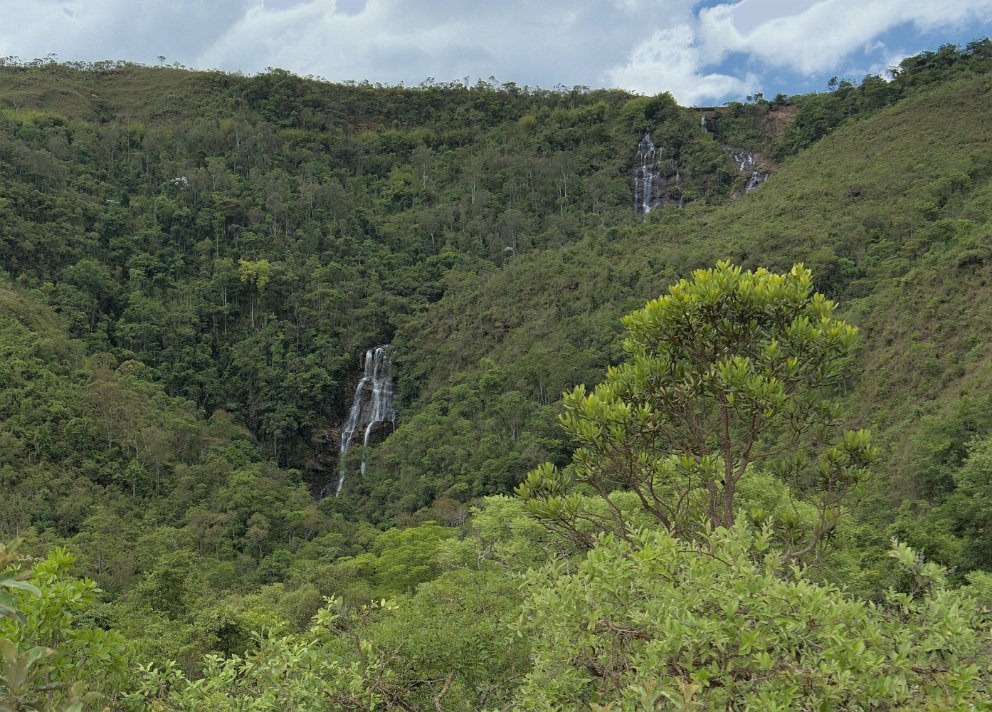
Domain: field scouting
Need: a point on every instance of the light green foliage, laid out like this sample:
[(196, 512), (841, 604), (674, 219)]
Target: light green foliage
[(284, 673), (26, 682), (726, 372), (400, 559), (12, 578), (450, 640), (502, 532), (190, 262), (33, 675), (450, 643), (56, 618), (821, 113), (660, 623), (24, 677), (257, 273)]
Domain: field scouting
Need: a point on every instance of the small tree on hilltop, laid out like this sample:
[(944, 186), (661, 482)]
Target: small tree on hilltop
[(728, 371)]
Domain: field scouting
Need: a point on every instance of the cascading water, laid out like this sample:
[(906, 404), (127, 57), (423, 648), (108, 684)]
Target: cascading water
[(744, 160), (647, 176), (371, 408), (746, 163), (756, 179)]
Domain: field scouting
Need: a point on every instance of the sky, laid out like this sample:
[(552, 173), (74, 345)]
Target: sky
[(702, 51)]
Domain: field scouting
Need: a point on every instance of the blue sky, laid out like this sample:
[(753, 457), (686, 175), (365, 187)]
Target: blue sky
[(704, 52), (820, 40)]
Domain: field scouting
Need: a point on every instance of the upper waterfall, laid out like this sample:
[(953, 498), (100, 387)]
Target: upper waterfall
[(372, 406), (746, 163), (647, 176)]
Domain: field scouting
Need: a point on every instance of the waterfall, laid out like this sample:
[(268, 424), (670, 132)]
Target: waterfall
[(744, 160), (756, 179), (647, 176), (746, 163), (371, 407)]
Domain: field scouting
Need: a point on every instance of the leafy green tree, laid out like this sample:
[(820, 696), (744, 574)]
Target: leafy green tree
[(728, 371), (257, 273), (657, 623), (969, 507), (407, 557), (33, 675), (13, 577)]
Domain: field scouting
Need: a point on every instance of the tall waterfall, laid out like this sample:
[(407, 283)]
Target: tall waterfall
[(371, 407), (647, 176)]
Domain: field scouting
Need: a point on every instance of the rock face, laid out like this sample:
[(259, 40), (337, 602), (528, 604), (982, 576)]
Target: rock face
[(655, 180), (323, 454), (756, 180), (744, 160), (372, 413)]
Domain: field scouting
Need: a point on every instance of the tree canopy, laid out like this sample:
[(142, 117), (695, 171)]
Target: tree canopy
[(728, 371)]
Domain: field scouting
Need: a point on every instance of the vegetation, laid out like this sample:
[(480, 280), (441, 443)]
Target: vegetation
[(724, 372), (191, 264)]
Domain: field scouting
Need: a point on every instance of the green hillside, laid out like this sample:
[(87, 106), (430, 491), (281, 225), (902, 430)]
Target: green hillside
[(193, 263), (890, 213)]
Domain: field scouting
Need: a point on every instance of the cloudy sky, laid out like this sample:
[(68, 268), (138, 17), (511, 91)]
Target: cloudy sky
[(703, 51)]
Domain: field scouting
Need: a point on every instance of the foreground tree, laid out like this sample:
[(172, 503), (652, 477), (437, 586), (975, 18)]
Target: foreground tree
[(658, 623), (34, 676), (727, 372)]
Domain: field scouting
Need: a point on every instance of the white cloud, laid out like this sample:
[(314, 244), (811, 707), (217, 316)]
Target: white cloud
[(556, 41), (822, 35), (542, 44), (804, 36), (670, 61), (137, 30)]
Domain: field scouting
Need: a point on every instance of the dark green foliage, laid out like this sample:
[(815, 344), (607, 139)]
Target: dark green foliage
[(244, 253)]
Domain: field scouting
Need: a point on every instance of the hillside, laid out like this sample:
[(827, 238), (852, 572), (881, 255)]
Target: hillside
[(247, 255), (891, 215), (193, 263)]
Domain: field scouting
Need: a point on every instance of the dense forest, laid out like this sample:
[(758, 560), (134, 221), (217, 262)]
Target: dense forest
[(730, 451)]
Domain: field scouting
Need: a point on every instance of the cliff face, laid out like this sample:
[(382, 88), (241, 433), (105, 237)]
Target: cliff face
[(372, 414)]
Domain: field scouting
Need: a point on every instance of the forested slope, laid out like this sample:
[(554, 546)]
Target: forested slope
[(192, 264), (890, 213)]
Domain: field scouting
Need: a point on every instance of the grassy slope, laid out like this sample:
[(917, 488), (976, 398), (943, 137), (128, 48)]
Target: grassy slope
[(135, 93), (892, 213)]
